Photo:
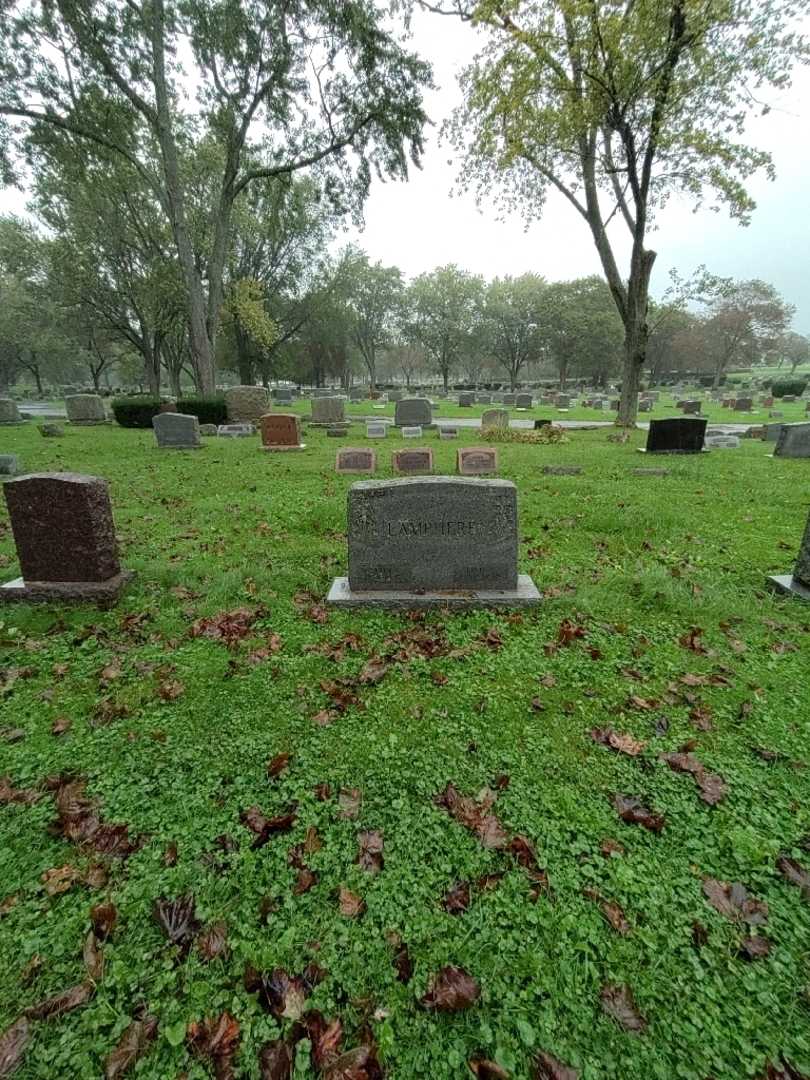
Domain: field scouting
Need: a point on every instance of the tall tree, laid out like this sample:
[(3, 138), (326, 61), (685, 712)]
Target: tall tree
[(442, 310), (581, 330), (374, 295), (279, 85), (618, 104), (513, 313), (745, 320)]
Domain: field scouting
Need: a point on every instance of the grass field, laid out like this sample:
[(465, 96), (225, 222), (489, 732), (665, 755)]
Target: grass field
[(655, 625)]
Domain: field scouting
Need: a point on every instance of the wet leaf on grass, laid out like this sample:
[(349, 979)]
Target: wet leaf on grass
[(618, 1003), (526, 856), (171, 690), (403, 964), (713, 788), (457, 899), (79, 822), (485, 1069), (795, 873), (229, 627), (282, 995), (474, 815), (304, 881), (13, 1043), (61, 1003), (217, 1040), (374, 670), (61, 725), (133, 1044), (170, 854), (635, 813), (610, 847), (177, 919), (370, 855), (351, 905), (547, 1067), (11, 794), (754, 948), (265, 827), (701, 717), (349, 802), (60, 879), (611, 911), (569, 631), (620, 741), (451, 989), (732, 901), (692, 640), (103, 917), (275, 1061), (277, 764), (213, 941)]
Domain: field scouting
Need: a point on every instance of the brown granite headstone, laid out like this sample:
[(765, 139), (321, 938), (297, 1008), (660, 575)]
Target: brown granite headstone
[(412, 462), (65, 537), (280, 431), (477, 460), (352, 459)]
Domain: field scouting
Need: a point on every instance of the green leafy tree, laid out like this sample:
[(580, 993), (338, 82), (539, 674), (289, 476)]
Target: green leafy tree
[(441, 312), (279, 87), (745, 321), (512, 318), (581, 329), (373, 294), (617, 106), (795, 348)]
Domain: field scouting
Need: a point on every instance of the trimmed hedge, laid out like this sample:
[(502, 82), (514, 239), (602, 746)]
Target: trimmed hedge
[(137, 412), (209, 410), (786, 387)]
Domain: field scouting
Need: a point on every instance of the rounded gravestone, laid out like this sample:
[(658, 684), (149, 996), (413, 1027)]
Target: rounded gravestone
[(413, 412), (85, 409), (245, 404), (495, 418), (9, 413)]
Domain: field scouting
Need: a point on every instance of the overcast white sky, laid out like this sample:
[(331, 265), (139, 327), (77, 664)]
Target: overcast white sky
[(418, 226)]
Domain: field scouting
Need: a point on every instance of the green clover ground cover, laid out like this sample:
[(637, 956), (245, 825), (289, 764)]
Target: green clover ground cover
[(609, 946)]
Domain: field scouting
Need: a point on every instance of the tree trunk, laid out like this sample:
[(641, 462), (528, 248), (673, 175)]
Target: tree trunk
[(635, 351), (38, 378), (244, 361)]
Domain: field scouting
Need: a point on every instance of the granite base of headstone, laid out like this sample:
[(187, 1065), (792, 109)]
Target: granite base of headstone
[(722, 442), (65, 537), (443, 541), (798, 583), (176, 431), (337, 431), (682, 435)]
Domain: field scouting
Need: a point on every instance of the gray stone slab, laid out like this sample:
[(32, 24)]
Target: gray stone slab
[(9, 465), (103, 593), (9, 413), (376, 430), (721, 442), (235, 431), (176, 431), (85, 409), (413, 412), (789, 585), (525, 594), (495, 418), (328, 410), (793, 441), (412, 433), (51, 431), (245, 404)]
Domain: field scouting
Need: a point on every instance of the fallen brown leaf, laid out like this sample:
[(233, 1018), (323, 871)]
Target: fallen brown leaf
[(451, 989), (133, 1044), (617, 1002)]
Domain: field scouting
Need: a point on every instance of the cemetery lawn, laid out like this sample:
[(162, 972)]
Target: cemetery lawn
[(656, 629)]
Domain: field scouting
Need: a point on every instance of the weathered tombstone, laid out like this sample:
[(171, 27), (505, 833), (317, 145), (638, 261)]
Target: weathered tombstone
[(280, 431), (523, 401), (477, 460), (376, 430), (412, 462), (793, 441), (682, 435), (645, 405), (448, 432), (483, 399), (9, 413), (413, 412), (744, 404), (438, 541), (561, 470), (208, 429), (245, 404), (776, 414), (563, 401), (396, 395), (167, 406), (283, 395), (797, 583), (327, 410), (356, 393), (85, 409), (767, 403), (509, 399), (412, 432), (495, 418), (65, 537), (788, 398), (51, 431), (722, 442), (235, 431), (9, 465), (350, 459), (337, 431), (466, 398), (691, 407), (176, 431)]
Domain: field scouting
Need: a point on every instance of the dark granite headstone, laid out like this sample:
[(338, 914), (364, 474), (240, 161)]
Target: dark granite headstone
[(435, 541), (413, 412), (63, 528), (523, 401), (683, 435), (327, 410), (793, 441), (466, 398)]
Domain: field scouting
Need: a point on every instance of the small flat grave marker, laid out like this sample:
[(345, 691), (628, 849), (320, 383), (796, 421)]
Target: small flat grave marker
[(561, 470), (477, 460), (235, 431), (411, 462), (352, 459), (375, 430), (412, 433), (448, 433)]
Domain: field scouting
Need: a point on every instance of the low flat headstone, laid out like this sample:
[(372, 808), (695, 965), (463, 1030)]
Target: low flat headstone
[(776, 414), (722, 442), (767, 403), (797, 583), (561, 470), (375, 430), (650, 472), (9, 413), (793, 441), (477, 460), (351, 459), (208, 429), (448, 433), (433, 542), (356, 394), (327, 410), (563, 401), (413, 412), (412, 462), (51, 431), (176, 431), (681, 435), (9, 465), (280, 432), (495, 418), (65, 537), (337, 431), (411, 433), (245, 404), (235, 431), (466, 398), (85, 409), (523, 401)]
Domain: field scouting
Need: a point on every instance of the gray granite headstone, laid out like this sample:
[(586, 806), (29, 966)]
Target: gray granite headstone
[(448, 432), (85, 409), (495, 418), (208, 429), (483, 399), (176, 431), (434, 541), (245, 404), (235, 431), (51, 431), (9, 413), (412, 432), (772, 432), (328, 410), (509, 399), (722, 442), (9, 465), (396, 395), (283, 395), (797, 583), (793, 441), (413, 412), (376, 430), (523, 401), (466, 398)]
